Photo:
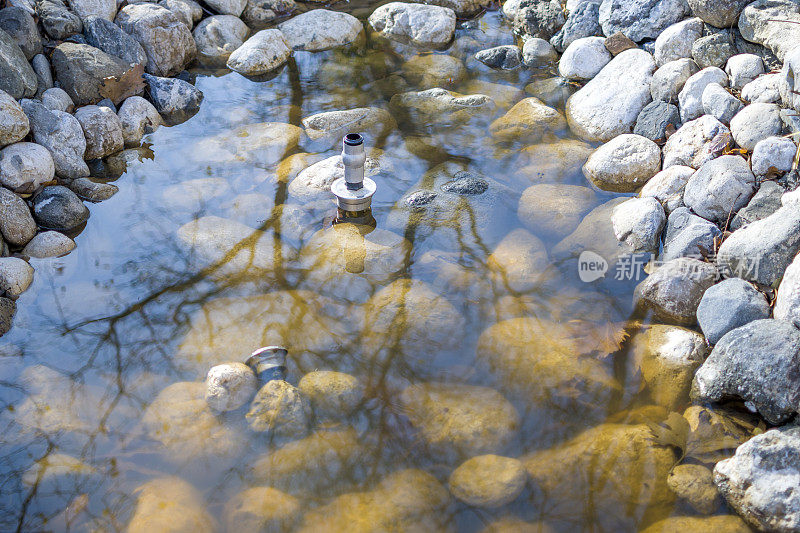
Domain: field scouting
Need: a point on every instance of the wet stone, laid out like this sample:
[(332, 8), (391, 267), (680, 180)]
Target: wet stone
[(711, 524), (506, 57), (49, 244), (175, 99), (457, 421), (420, 199), (695, 485), (58, 208), (169, 503)]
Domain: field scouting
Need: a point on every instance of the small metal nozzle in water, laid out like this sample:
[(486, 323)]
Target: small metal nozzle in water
[(353, 192), (269, 363)]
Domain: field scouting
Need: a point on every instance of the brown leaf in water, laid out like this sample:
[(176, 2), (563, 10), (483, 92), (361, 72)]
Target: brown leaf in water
[(605, 338), (674, 431), (129, 84)]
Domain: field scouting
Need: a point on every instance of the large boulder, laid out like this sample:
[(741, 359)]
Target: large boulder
[(321, 29), (167, 42), (62, 135), (81, 70), (729, 305), (720, 187), (760, 481), (545, 364), (641, 19), (406, 500), (772, 23), (758, 363), (623, 164), (426, 26), (182, 422), (761, 250), (110, 38), (697, 142), (169, 504), (17, 77), (674, 290), (609, 104), (20, 25)]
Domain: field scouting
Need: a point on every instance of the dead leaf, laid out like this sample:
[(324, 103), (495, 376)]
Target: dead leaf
[(129, 84), (674, 431), (605, 338)]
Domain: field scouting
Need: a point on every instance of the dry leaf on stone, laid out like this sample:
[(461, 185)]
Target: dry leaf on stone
[(129, 84), (674, 431)]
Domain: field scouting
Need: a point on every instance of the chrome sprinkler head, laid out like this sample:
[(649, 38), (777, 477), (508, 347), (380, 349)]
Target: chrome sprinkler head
[(269, 363), (353, 192)]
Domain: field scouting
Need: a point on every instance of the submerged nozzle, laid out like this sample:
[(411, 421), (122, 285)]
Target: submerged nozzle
[(269, 363), (353, 192)]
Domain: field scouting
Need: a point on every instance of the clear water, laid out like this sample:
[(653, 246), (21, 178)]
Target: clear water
[(133, 309)]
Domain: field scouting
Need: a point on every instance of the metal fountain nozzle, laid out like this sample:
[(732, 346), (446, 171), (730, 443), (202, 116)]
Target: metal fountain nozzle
[(269, 363), (353, 192)]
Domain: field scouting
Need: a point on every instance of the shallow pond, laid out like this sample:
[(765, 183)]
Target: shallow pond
[(467, 325)]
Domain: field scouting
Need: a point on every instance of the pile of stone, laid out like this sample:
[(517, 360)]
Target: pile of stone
[(696, 106)]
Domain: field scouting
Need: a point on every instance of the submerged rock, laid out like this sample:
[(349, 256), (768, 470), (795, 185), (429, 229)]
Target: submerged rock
[(519, 263), (528, 121), (439, 109), (458, 421), (226, 329), (182, 422), (553, 211), (407, 320), (709, 524), (758, 363), (319, 462), (406, 500), (760, 481), (333, 395), (326, 130), (169, 504), (259, 509), (488, 481), (695, 485), (279, 410), (545, 364), (433, 70), (667, 357), (619, 467)]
